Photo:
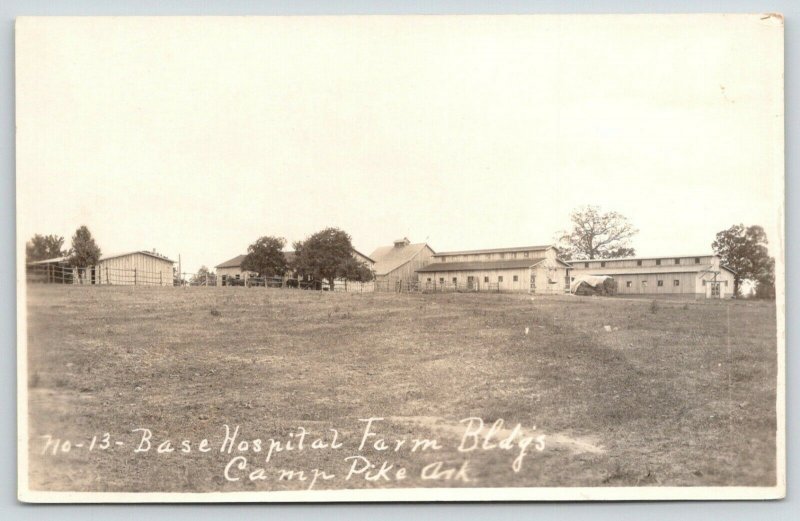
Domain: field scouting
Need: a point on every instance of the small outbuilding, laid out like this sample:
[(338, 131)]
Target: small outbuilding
[(134, 268)]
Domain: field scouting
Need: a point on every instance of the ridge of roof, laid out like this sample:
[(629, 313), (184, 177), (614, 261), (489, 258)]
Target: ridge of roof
[(497, 250), (389, 258), (646, 258), (479, 265)]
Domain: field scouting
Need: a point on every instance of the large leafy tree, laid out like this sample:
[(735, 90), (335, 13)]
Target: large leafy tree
[(356, 270), (265, 257), (744, 250), (84, 252), (43, 247), (595, 234), (328, 255)]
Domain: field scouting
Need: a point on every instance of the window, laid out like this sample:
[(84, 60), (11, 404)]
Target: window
[(486, 279), (629, 284), (585, 264), (527, 254), (444, 258), (704, 283), (502, 255), (572, 278), (237, 276), (726, 283), (676, 282), (455, 280), (514, 255), (638, 263), (697, 260), (677, 261), (658, 262), (441, 280), (429, 279), (603, 264), (516, 278), (660, 283), (500, 278), (644, 283)]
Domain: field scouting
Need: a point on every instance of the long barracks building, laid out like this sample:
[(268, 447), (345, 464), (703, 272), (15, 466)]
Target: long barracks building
[(537, 269)]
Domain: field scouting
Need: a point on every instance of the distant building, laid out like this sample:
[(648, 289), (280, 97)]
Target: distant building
[(140, 268), (692, 275), (231, 270), (534, 269), (398, 263)]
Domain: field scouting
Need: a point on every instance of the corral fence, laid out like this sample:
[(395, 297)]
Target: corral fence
[(62, 273), (396, 286), (105, 275), (95, 275)]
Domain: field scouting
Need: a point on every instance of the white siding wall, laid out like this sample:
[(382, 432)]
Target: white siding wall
[(134, 268), (522, 284)]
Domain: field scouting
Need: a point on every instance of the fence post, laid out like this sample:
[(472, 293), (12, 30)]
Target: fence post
[(134, 276), (160, 279), (108, 281)]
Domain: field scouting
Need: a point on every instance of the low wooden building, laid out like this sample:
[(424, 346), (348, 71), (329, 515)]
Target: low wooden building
[(397, 265), (230, 272), (134, 268), (698, 276), (533, 269)]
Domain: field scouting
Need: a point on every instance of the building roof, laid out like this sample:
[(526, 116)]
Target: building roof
[(497, 250), (365, 256), (50, 261), (479, 265), (389, 258), (650, 270), (232, 263), (143, 252), (106, 257), (662, 257)]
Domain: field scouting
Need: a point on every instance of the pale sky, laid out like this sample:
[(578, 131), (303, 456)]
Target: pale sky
[(196, 136)]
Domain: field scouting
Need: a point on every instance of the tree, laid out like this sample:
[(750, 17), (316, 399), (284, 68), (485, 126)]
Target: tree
[(84, 251), (204, 277), (327, 255), (356, 270), (43, 247), (765, 283), (596, 235), (265, 257), (744, 250)]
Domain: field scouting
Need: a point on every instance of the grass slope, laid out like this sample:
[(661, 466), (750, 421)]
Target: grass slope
[(681, 394)]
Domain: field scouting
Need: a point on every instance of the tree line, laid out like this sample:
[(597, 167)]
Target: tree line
[(82, 252), (328, 254), (324, 256)]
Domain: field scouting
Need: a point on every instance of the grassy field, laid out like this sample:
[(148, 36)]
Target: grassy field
[(677, 393)]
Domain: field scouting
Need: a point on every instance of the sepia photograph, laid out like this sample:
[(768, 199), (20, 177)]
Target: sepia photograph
[(400, 258)]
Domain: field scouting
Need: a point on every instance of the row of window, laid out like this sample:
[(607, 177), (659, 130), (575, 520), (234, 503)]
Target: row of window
[(512, 255), (485, 279), (629, 283), (660, 283), (639, 262)]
